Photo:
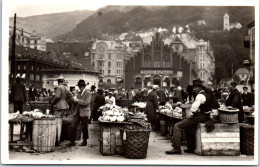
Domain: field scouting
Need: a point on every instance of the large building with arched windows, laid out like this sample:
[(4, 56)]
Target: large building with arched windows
[(159, 64)]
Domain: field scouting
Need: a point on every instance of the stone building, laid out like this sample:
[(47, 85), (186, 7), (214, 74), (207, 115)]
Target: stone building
[(227, 25), (108, 57), (157, 64)]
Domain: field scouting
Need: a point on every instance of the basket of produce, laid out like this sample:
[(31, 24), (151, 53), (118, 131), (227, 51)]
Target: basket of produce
[(247, 139), (41, 105), (228, 115), (66, 129), (124, 103), (113, 113), (135, 140)]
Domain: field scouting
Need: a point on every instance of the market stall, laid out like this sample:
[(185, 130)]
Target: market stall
[(119, 126)]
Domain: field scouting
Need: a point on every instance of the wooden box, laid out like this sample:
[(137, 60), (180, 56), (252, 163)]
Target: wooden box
[(110, 138), (222, 141)]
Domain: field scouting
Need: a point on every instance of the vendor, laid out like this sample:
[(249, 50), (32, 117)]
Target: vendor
[(59, 104), (234, 100), (152, 106), (98, 102), (203, 104), (81, 113), (246, 97), (110, 99)]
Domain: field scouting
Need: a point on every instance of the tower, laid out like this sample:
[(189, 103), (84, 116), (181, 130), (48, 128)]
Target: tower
[(226, 22)]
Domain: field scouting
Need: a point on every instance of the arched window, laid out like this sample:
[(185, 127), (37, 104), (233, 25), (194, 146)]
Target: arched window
[(175, 82), (147, 61), (138, 82), (157, 59), (109, 81), (166, 60)]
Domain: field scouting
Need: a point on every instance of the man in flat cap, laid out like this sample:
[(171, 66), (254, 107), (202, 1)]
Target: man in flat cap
[(234, 100), (200, 113), (59, 104)]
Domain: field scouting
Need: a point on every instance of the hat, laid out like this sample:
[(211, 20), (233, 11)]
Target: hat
[(245, 87), (100, 91), (81, 83), (61, 78), (154, 86), (197, 82), (110, 93)]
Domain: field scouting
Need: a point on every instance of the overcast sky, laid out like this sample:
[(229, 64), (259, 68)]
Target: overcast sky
[(25, 8)]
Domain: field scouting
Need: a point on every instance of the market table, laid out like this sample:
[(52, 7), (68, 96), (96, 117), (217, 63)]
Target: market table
[(167, 123), (110, 138), (23, 123)]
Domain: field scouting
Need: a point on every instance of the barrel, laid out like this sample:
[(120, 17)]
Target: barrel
[(58, 128), (44, 134)]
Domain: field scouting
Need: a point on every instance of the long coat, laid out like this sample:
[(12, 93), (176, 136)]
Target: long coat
[(161, 95), (59, 101), (98, 102), (234, 100), (83, 106), (151, 106), (18, 93)]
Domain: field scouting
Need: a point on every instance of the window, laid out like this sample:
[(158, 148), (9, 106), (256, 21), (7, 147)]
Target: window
[(109, 56), (109, 64), (93, 63), (24, 67), (176, 48), (93, 56), (35, 41), (18, 67), (101, 56), (32, 68), (37, 77), (242, 75), (157, 60), (100, 64), (147, 61), (86, 54), (166, 60), (109, 81), (35, 47), (31, 77), (108, 71)]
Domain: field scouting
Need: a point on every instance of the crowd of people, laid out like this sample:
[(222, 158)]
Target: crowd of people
[(83, 104)]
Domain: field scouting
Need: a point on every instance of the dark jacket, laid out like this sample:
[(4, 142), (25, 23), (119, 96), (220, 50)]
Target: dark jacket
[(234, 100), (18, 93), (161, 94), (32, 94), (247, 99)]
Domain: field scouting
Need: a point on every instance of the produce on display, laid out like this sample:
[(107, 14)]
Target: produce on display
[(141, 105), (176, 112), (112, 113), (29, 115)]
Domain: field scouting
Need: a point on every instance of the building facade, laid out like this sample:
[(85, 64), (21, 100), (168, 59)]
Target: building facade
[(108, 57), (157, 64), (29, 40)]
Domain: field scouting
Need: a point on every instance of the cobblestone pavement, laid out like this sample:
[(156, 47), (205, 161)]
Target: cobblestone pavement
[(158, 144)]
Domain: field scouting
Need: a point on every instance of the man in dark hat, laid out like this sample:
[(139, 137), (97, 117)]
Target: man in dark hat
[(81, 113), (18, 95), (200, 113), (98, 102), (234, 100), (246, 97)]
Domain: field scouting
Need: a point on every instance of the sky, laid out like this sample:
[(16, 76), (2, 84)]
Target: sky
[(24, 8)]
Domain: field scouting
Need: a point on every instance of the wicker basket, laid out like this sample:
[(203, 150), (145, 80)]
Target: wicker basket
[(228, 117), (247, 139), (66, 129), (136, 143), (41, 105)]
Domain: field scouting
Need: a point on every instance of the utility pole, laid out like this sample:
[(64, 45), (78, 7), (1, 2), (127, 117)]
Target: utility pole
[(13, 62)]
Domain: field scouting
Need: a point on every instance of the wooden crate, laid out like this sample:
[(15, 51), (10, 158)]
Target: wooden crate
[(222, 141), (110, 138)]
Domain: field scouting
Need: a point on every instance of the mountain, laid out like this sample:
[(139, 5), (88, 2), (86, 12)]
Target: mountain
[(51, 24), (227, 45)]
